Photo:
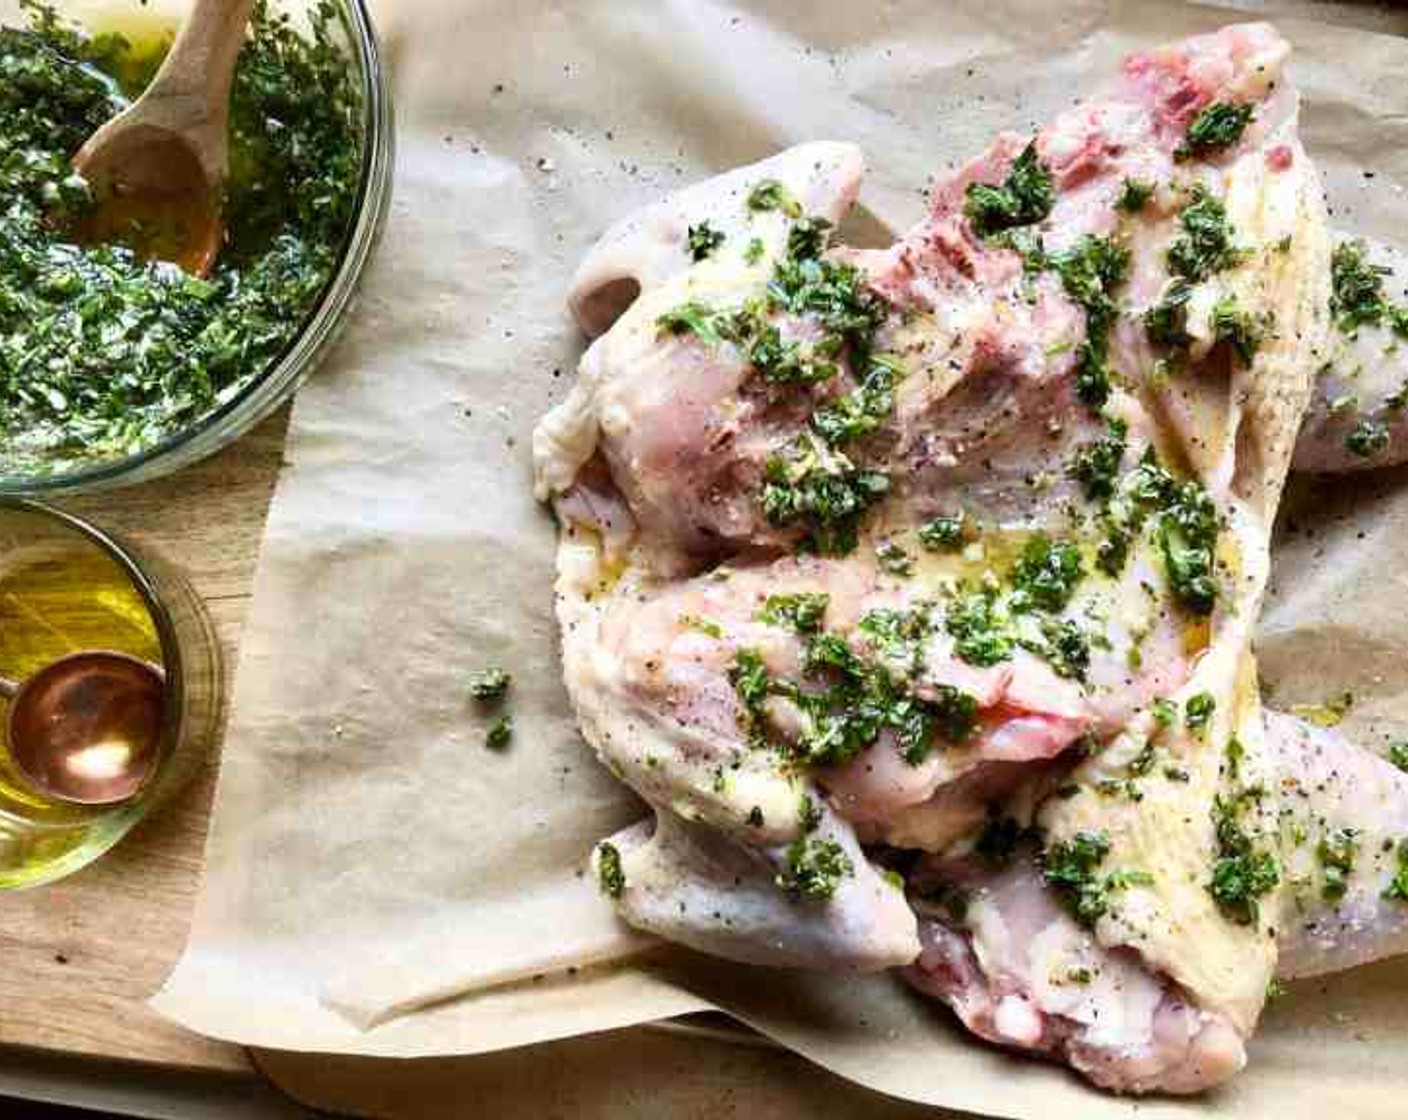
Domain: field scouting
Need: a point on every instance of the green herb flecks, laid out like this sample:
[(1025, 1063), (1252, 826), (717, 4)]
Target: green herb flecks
[(770, 194), (1096, 466), (943, 534), (1367, 439), (1218, 127), (1046, 573), (802, 612), (1357, 288), (979, 626), (1134, 195), (1024, 197), (823, 491), (1205, 245), (489, 685), (1197, 713), (1338, 852), (1242, 873), (1397, 889), (1166, 323), (610, 877), (500, 733), (814, 869), (1072, 866), (861, 412), (702, 240), (1398, 755), (1090, 271), (1238, 329)]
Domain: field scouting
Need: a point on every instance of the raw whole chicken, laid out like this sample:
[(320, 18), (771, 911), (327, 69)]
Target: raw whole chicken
[(877, 565)]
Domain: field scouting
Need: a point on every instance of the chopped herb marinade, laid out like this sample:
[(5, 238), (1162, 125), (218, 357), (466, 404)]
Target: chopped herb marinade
[(848, 699), (822, 490), (1218, 127), (814, 869), (1071, 867), (1205, 245), (1367, 439), (702, 240), (1186, 530), (104, 354), (1338, 852), (1357, 291), (610, 877), (1026, 196), (1242, 873)]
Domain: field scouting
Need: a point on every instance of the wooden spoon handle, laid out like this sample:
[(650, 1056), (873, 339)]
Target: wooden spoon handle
[(200, 66)]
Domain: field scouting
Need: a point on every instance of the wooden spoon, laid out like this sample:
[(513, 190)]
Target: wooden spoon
[(158, 168)]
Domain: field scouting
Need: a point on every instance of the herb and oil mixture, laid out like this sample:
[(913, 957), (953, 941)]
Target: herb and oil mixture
[(102, 353)]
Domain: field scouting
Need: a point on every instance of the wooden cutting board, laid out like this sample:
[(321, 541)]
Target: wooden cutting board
[(82, 955)]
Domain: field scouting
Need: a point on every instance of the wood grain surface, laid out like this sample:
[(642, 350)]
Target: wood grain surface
[(82, 955)]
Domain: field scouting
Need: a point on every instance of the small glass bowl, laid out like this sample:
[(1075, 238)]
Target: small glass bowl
[(268, 390), (41, 840)]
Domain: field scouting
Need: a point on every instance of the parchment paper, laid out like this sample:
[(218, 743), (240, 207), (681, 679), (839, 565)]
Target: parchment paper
[(380, 883)]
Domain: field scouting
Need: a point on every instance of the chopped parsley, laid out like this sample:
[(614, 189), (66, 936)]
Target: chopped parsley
[(489, 685), (1398, 755), (1166, 323), (1065, 646), (1197, 713), (1134, 195), (500, 733), (894, 559), (1218, 127), (1071, 867), (1242, 874), (814, 869), (860, 697), (862, 411), (808, 238), (1367, 439), (1046, 573), (823, 491), (1397, 889), (802, 612), (1238, 329), (979, 626), (1205, 245), (943, 534), (610, 877), (769, 194), (808, 815), (1338, 851), (702, 240), (1090, 271), (1096, 466), (755, 250), (1165, 712), (1026, 196), (692, 317), (1357, 288)]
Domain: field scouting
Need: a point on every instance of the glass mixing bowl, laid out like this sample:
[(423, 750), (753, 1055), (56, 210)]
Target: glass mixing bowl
[(270, 388)]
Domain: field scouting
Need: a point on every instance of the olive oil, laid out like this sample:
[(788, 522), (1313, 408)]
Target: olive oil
[(57, 599)]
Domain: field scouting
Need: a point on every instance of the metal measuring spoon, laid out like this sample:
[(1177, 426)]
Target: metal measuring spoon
[(85, 728)]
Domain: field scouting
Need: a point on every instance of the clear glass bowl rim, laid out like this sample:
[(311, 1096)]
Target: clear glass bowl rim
[(267, 391)]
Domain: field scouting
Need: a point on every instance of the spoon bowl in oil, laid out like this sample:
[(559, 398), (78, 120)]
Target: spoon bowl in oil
[(86, 728)]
